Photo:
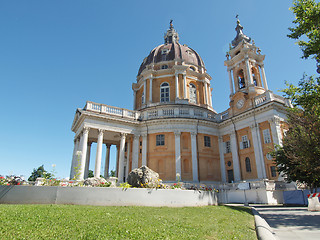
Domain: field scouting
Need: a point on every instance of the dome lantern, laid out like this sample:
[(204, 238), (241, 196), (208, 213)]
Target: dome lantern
[(171, 35)]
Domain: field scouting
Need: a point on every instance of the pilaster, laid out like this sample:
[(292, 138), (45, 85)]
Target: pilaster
[(177, 135), (222, 164), (235, 157), (144, 150), (194, 154), (261, 171)]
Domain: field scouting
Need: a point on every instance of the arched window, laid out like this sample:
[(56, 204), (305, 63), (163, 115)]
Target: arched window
[(254, 78), (241, 82), (164, 92), (192, 93), (248, 164)]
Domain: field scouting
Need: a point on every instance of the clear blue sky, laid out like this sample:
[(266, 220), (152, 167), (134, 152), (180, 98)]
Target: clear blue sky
[(56, 55)]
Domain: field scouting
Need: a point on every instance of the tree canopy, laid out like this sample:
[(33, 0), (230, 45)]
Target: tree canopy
[(307, 26), (299, 156), (39, 172)]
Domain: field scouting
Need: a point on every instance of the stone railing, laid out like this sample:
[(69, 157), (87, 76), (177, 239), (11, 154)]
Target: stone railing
[(269, 96), (179, 110), (175, 111), (106, 109)]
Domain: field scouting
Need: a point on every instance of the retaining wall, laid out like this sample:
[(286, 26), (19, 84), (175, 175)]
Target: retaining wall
[(105, 196)]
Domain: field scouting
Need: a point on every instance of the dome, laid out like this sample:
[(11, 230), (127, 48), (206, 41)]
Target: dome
[(172, 50)]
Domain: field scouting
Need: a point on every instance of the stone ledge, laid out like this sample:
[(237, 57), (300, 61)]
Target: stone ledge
[(106, 196)]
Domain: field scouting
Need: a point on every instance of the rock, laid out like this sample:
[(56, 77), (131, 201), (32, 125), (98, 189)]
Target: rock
[(144, 177), (94, 182)]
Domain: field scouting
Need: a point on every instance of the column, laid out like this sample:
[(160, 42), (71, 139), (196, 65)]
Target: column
[(86, 169), (128, 157), (194, 154), (106, 165), (150, 89), (74, 157), (134, 99), (135, 153), (230, 82), (177, 85), (276, 131), (205, 92), (235, 157), (177, 135), (261, 170), (83, 147), (144, 150), (222, 164), (145, 91), (117, 161), (210, 96), (249, 71), (121, 157), (264, 79), (97, 169), (184, 86)]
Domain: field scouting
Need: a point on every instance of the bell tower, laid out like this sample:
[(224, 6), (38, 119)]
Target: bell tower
[(245, 67)]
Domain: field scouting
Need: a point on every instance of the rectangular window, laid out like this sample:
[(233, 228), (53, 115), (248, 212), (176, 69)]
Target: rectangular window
[(228, 147), (273, 171), (125, 147), (207, 141), (245, 142), (266, 136), (160, 140), (140, 143)]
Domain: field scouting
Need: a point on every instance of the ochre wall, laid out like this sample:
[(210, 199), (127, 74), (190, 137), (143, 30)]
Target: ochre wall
[(209, 160), (247, 152), (162, 158), (186, 157), (266, 148)]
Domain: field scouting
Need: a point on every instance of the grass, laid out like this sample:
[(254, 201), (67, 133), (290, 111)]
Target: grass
[(92, 222)]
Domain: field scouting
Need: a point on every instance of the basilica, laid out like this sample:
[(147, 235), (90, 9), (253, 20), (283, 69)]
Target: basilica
[(174, 129)]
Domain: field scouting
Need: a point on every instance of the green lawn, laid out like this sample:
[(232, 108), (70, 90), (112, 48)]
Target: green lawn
[(92, 222)]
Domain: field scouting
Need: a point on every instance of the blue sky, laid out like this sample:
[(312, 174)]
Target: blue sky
[(56, 55)]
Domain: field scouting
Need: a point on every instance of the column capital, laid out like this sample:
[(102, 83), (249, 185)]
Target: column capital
[(275, 120), (193, 134), (100, 131), (108, 145), (123, 135), (144, 135), (254, 126), (220, 138), (86, 130), (136, 136), (177, 133)]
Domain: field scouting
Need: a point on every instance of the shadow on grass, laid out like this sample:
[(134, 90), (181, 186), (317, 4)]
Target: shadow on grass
[(240, 209)]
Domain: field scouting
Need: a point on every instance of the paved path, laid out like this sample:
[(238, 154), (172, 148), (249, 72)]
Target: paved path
[(292, 223)]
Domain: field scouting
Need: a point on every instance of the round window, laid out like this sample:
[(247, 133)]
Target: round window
[(229, 163)]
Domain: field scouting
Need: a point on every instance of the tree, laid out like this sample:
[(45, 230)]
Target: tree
[(40, 172), (307, 25), (90, 174), (299, 156)]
